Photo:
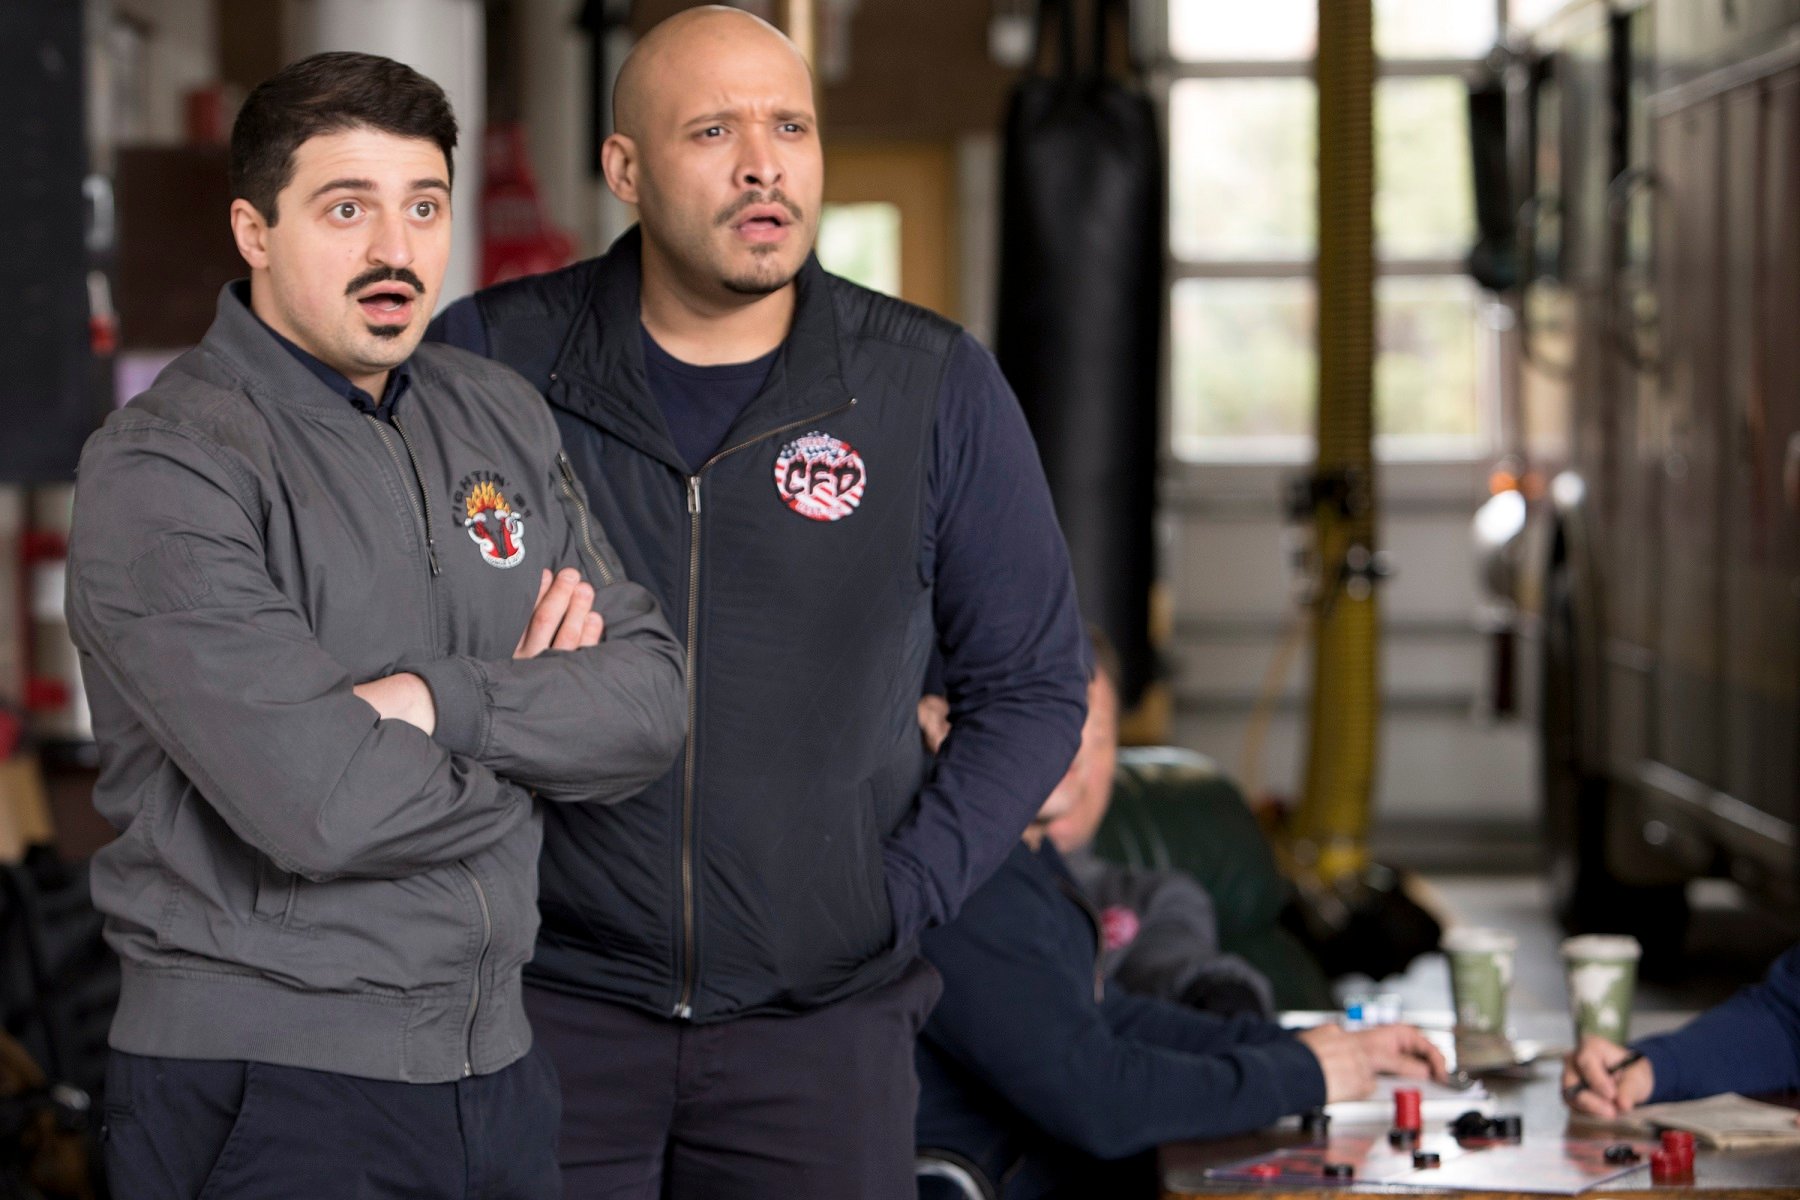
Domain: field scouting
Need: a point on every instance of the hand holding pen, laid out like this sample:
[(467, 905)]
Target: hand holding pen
[(1604, 1079)]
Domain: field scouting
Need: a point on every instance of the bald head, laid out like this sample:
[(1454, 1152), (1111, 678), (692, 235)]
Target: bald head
[(716, 142), (687, 48)]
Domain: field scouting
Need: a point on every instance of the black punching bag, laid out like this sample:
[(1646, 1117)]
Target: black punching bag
[(1080, 314)]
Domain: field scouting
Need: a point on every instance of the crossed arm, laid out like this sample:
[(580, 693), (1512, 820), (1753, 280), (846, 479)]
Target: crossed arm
[(562, 619), (172, 601)]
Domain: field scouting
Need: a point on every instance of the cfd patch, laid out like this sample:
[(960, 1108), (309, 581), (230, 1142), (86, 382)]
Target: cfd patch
[(820, 477)]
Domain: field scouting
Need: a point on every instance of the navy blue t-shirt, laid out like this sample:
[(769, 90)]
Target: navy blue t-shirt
[(700, 403)]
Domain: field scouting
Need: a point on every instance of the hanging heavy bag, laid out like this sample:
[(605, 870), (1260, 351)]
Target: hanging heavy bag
[(1080, 315)]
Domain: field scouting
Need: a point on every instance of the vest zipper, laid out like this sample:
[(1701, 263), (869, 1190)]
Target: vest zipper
[(684, 1003), (420, 499), (574, 495)]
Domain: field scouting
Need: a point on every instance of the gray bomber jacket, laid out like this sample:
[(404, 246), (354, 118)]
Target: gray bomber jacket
[(296, 881)]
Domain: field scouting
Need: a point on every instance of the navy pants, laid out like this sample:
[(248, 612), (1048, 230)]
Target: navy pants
[(187, 1129), (818, 1106)]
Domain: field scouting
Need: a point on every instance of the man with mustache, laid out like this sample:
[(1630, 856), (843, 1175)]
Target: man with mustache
[(327, 707), (820, 484)]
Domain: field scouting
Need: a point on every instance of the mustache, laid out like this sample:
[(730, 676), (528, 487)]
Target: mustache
[(385, 275), (752, 199)]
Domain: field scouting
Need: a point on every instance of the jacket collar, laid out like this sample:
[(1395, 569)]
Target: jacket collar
[(605, 353), (249, 348)]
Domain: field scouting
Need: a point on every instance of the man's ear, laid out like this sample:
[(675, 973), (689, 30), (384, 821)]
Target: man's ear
[(251, 232), (619, 160)]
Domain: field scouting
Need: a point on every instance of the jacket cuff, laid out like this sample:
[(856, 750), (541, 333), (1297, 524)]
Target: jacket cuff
[(459, 690), (1665, 1068), (1302, 1082)]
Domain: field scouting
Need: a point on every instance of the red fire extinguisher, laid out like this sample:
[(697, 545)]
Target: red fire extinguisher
[(55, 701)]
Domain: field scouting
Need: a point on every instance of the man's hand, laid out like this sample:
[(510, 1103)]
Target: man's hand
[(402, 697), (1590, 1085), (1402, 1050), (1349, 1075), (563, 618), (934, 721)]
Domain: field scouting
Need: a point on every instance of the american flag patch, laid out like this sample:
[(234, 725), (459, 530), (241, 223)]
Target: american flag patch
[(820, 477)]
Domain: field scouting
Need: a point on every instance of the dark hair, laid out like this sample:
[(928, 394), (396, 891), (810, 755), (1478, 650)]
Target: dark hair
[(329, 93)]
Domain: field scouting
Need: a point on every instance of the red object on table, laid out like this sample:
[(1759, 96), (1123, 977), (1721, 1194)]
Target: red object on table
[(1668, 1166), (1264, 1170), (1406, 1109), (1680, 1143)]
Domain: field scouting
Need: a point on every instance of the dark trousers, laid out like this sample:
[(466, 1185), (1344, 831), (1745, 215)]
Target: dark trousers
[(200, 1129), (818, 1106)]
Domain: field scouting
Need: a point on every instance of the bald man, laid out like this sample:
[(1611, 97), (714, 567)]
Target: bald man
[(820, 484)]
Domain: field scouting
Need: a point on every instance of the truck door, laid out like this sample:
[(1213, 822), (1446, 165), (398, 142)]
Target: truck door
[(1688, 426)]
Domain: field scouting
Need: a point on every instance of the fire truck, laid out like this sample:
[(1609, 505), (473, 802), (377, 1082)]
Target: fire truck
[(1653, 185)]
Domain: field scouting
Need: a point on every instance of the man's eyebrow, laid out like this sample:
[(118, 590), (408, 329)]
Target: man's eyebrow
[(343, 185), (713, 118), (368, 185)]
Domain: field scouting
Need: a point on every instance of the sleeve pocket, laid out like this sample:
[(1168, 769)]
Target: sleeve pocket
[(167, 578)]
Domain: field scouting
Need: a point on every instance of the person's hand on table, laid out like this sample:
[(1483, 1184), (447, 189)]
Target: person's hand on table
[(1402, 1050), (1594, 1083), (1343, 1060)]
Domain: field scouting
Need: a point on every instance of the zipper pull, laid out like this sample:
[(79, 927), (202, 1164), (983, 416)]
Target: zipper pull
[(431, 553), (693, 495)]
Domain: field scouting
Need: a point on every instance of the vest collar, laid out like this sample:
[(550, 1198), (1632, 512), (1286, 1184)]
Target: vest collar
[(600, 369)]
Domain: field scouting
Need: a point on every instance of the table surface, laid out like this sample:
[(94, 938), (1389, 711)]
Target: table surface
[(1718, 1175)]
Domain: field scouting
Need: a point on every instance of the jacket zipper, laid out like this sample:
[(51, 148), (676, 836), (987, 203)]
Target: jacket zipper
[(574, 495), (487, 936), (420, 499), (417, 496), (684, 1003)]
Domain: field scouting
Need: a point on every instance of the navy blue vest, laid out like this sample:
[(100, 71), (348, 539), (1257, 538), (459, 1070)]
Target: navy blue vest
[(750, 879)]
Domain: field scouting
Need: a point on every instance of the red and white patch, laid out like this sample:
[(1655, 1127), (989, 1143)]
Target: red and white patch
[(820, 477), (495, 527), (1119, 927)]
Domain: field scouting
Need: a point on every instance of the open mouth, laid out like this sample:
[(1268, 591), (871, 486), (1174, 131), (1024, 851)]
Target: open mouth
[(387, 305), (762, 224)]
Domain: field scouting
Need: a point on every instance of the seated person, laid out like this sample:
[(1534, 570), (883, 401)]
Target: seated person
[(1160, 935), (1750, 1044), (1162, 938), (1054, 1082)]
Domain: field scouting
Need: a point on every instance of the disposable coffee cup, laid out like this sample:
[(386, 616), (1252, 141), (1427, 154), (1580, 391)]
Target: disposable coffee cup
[(1602, 971), (1481, 971)]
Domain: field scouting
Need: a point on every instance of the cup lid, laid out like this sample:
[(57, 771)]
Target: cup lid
[(1602, 945), (1476, 939)]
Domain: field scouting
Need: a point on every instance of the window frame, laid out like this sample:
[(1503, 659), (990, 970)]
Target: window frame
[(1288, 451)]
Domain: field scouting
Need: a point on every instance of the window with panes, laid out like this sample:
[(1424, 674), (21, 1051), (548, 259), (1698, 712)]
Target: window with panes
[(1243, 176)]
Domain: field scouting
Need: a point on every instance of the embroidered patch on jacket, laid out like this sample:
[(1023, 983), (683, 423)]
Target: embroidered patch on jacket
[(820, 477), (494, 523)]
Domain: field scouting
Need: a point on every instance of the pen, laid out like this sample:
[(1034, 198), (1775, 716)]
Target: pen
[(1580, 1085)]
